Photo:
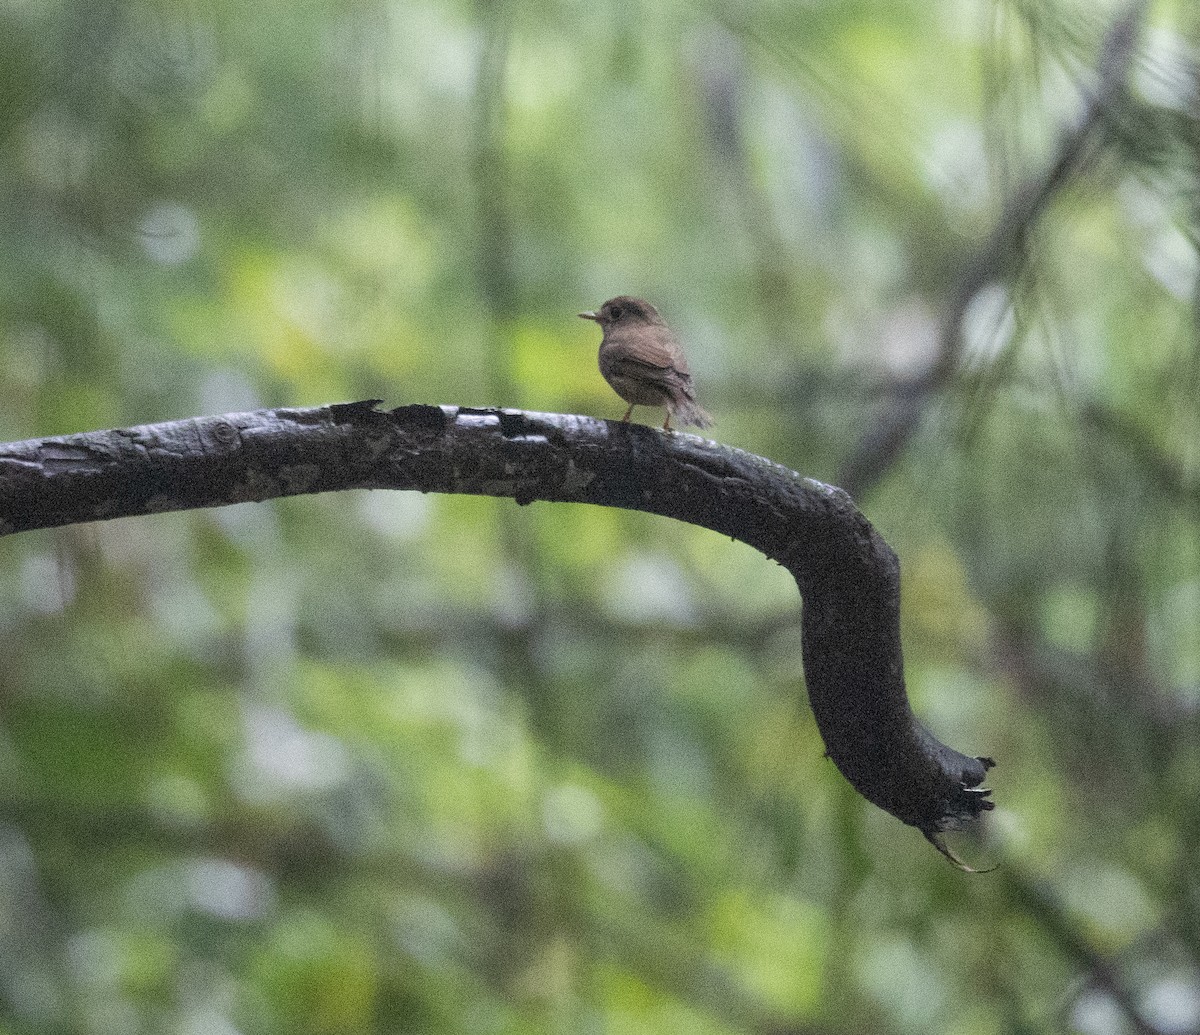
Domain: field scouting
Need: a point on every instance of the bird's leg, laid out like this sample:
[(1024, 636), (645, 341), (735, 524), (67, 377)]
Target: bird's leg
[(667, 422), (625, 419)]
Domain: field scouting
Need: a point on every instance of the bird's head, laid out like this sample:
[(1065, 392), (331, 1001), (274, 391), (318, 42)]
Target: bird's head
[(624, 309)]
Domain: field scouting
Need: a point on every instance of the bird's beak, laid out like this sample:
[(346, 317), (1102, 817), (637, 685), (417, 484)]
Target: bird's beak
[(590, 316)]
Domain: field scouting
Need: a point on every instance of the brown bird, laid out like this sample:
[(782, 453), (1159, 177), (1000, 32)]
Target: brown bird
[(643, 361)]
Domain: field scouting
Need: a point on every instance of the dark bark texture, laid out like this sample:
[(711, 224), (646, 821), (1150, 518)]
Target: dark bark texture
[(848, 577)]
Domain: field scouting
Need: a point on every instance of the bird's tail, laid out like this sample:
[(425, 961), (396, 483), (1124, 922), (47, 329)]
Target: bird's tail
[(688, 411)]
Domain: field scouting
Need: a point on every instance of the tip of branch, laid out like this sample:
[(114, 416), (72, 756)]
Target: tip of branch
[(934, 837)]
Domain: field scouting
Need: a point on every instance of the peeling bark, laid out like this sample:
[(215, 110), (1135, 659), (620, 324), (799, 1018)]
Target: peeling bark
[(848, 577)]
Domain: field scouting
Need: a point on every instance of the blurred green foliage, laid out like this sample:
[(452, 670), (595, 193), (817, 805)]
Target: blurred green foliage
[(390, 763)]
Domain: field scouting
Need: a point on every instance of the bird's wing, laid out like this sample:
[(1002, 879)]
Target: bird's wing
[(650, 371), (655, 348), (668, 376), (661, 349)]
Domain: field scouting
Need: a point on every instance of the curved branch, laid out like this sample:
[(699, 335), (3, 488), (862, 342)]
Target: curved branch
[(848, 576)]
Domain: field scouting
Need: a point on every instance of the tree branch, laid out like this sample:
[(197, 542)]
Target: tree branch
[(848, 576), (997, 258)]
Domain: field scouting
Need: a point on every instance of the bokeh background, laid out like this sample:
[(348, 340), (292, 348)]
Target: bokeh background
[(386, 762)]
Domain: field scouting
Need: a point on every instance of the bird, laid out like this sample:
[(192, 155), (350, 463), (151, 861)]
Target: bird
[(643, 361)]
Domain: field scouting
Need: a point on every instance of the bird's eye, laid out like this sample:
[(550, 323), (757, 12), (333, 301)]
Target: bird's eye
[(615, 312)]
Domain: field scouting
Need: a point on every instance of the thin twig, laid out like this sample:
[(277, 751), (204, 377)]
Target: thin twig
[(997, 259)]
